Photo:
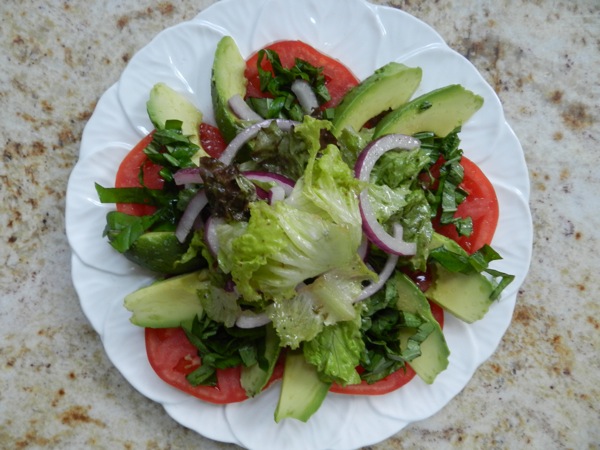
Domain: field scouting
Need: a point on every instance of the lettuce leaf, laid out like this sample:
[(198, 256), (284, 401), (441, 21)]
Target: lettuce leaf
[(218, 304), (330, 190), (283, 246), (336, 352), (329, 299), (316, 229), (283, 152), (295, 320), (397, 197)]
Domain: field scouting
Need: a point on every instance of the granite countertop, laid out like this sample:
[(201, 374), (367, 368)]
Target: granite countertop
[(540, 388)]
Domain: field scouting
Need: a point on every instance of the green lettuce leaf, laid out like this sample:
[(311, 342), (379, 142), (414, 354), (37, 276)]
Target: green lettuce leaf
[(218, 304), (351, 143), (329, 299), (285, 152), (329, 189), (283, 246), (400, 168), (397, 197), (336, 352), (295, 320)]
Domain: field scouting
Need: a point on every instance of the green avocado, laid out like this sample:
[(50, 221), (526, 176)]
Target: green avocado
[(467, 296), (440, 111), (434, 350), (227, 80), (167, 104), (387, 88), (167, 303), (302, 391), (161, 251)]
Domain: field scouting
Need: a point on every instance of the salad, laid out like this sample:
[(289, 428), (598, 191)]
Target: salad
[(314, 236)]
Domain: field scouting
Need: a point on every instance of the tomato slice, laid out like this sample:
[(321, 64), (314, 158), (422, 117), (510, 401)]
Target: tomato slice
[(393, 381), (481, 205), (211, 140), (127, 176), (338, 78), (172, 357)]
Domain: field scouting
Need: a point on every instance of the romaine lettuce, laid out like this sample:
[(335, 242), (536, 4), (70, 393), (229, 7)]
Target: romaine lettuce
[(283, 246)]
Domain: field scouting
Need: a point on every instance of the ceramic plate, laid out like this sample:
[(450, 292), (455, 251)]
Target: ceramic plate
[(364, 37)]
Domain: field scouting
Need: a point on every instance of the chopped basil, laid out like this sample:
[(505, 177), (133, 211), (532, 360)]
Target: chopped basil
[(221, 347), (283, 103), (171, 149), (476, 263)]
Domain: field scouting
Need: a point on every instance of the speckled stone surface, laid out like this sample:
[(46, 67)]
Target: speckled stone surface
[(540, 389)]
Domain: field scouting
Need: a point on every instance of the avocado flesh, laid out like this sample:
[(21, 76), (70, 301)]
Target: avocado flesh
[(161, 251), (167, 303), (440, 111), (302, 391), (466, 296), (434, 350), (388, 87), (167, 104), (227, 80)]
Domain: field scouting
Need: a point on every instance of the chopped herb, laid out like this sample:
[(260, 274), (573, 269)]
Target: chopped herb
[(171, 149), (283, 103), (221, 347)]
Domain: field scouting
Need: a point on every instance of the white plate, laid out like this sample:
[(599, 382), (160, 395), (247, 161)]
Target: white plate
[(364, 37)]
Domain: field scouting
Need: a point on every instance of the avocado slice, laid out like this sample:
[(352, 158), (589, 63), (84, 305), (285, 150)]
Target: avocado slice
[(167, 303), (440, 111), (227, 80), (167, 104), (388, 87), (434, 350), (467, 296), (161, 251), (302, 391)]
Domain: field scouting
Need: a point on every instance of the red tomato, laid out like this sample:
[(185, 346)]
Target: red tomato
[(392, 381), (127, 176), (211, 140), (481, 205), (338, 77), (172, 357)]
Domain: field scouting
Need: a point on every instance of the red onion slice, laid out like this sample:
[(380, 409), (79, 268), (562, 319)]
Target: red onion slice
[(363, 248), (241, 109), (268, 177), (189, 175), (248, 319), (362, 169), (386, 272), (305, 95), (248, 133), (210, 233), (276, 194), (190, 215), (372, 152)]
